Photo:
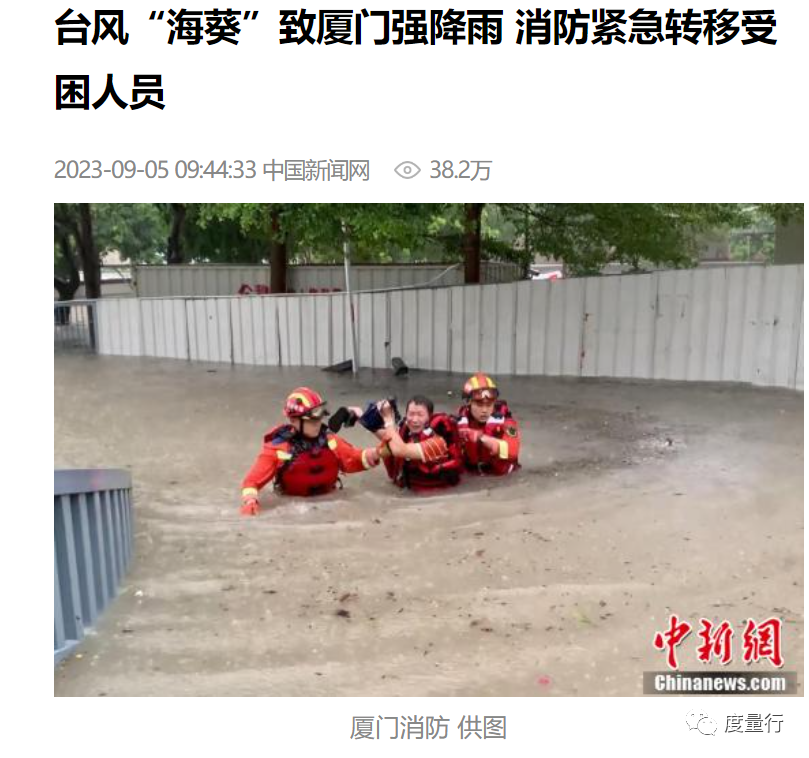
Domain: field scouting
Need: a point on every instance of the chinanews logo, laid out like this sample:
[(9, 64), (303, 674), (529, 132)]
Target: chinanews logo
[(759, 643)]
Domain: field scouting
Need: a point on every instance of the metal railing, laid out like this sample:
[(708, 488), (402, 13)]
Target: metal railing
[(92, 542), (74, 326)]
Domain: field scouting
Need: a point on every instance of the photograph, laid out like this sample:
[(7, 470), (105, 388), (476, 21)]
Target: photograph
[(428, 449)]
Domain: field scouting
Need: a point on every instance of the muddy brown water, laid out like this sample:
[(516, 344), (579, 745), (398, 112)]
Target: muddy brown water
[(636, 500)]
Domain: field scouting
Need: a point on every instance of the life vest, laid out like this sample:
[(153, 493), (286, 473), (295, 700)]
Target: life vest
[(476, 456), (308, 467), (421, 475)]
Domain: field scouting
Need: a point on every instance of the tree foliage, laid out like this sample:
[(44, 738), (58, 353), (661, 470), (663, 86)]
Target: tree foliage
[(137, 231), (316, 232), (584, 236), (75, 248), (588, 236)]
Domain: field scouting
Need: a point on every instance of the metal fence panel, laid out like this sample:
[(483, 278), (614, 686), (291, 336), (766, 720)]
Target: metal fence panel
[(67, 570), (627, 309), (540, 326), (753, 305), (456, 329), (441, 328), (571, 341), (130, 327), (341, 348), (381, 338), (672, 324), (271, 330), (199, 281), (595, 326), (734, 324), (798, 381), (506, 328), (522, 327), (365, 328), (104, 588), (494, 272), (309, 331), (712, 322), (411, 325), (425, 329), (209, 329), (644, 326), (323, 313), (396, 321), (698, 328), (81, 531), (487, 360), (555, 331), (74, 326), (223, 280), (92, 538), (119, 326), (471, 330), (778, 328), (294, 331), (164, 328), (248, 330), (729, 324)]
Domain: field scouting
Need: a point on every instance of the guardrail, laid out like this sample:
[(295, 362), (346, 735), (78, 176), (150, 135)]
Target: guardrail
[(92, 543), (74, 326)]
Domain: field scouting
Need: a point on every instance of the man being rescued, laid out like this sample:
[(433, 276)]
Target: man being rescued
[(490, 436), (302, 457), (424, 452)]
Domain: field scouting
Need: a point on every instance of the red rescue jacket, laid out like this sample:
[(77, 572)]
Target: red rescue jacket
[(301, 467), (420, 475), (312, 467), (504, 428)]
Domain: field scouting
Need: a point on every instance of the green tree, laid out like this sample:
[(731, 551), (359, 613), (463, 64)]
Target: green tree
[(66, 279), (588, 236), (585, 236), (137, 231), (75, 250), (315, 232), (782, 213)]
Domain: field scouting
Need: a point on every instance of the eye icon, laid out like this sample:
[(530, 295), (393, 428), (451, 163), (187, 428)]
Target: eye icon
[(407, 169)]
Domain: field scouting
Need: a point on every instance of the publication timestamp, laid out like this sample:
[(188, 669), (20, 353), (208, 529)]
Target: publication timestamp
[(156, 169)]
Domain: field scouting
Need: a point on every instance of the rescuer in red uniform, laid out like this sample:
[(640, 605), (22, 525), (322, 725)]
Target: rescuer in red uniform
[(490, 435), (302, 457)]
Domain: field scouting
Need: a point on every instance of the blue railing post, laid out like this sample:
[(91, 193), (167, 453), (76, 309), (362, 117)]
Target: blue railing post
[(92, 542)]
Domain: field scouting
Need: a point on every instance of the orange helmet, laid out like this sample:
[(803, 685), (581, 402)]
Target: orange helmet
[(303, 402), (480, 387)]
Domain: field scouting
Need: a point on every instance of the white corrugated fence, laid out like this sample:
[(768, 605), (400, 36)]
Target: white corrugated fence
[(737, 325), (215, 280)]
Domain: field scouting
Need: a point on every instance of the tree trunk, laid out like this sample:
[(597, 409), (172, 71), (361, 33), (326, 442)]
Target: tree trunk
[(174, 248), (91, 264), (526, 269), (67, 287), (278, 256), (471, 242)]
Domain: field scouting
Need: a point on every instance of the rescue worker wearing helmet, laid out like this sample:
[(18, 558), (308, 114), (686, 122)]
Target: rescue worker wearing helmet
[(424, 452), (490, 435), (302, 457)]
